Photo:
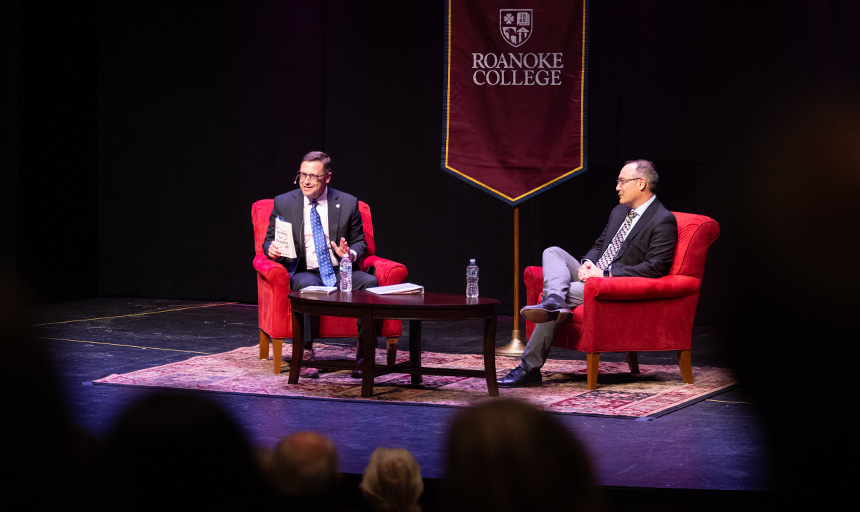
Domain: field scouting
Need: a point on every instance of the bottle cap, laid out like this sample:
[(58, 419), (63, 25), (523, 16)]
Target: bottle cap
[(472, 261)]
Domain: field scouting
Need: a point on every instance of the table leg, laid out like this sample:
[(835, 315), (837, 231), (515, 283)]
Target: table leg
[(368, 343), (298, 348), (415, 349), (490, 355)]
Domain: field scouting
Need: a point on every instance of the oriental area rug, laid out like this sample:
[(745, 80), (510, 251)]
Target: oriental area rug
[(655, 391)]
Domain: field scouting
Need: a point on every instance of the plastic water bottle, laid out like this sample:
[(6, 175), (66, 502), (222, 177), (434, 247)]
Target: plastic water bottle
[(472, 279), (346, 274)]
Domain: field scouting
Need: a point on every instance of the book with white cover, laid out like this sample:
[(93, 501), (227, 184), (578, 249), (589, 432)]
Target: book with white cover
[(318, 289), (284, 238), (405, 288)]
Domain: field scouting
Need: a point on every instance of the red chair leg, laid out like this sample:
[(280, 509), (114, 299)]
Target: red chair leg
[(593, 363), (685, 363)]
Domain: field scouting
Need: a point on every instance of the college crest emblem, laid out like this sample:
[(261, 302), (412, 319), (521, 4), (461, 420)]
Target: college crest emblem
[(515, 25)]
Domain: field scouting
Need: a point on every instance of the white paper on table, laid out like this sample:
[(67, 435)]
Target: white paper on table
[(397, 289), (284, 238)]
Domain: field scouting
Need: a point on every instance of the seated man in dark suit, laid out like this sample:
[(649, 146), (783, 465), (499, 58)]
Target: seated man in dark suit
[(639, 240), (318, 252)]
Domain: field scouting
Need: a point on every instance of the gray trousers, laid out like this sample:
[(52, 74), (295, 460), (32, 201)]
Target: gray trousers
[(560, 276)]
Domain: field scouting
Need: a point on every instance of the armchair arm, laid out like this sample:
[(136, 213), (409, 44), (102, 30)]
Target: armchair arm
[(641, 288), (271, 271), (387, 272)]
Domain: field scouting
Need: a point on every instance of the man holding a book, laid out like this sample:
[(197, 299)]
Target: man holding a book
[(315, 227)]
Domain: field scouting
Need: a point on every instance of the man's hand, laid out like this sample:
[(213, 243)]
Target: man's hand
[(342, 249), (589, 270), (274, 251)]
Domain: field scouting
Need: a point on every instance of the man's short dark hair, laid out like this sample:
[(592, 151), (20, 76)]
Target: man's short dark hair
[(318, 156)]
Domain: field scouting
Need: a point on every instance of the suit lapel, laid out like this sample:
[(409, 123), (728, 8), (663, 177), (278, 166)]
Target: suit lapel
[(298, 216), (640, 225), (333, 215)]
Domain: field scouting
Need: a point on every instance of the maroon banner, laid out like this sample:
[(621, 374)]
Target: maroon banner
[(515, 94)]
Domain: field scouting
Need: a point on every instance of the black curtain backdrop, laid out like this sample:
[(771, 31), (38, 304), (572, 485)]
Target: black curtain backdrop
[(137, 134), (152, 127)]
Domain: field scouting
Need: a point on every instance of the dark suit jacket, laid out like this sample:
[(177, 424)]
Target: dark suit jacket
[(649, 248), (344, 220)]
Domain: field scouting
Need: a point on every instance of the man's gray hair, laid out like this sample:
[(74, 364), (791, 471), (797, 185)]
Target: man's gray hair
[(645, 169)]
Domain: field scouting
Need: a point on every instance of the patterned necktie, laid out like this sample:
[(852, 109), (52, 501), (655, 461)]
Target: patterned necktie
[(323, 258), (612, 250)]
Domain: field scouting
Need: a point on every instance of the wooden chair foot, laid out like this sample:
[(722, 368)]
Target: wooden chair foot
[(277, 349), (685, 363), (264, 345), (592, 365)]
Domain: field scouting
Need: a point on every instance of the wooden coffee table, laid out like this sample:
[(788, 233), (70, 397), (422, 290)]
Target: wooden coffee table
[(414, 308)]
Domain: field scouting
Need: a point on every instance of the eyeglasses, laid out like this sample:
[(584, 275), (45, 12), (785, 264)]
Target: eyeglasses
[(622, 181), (314, 178)]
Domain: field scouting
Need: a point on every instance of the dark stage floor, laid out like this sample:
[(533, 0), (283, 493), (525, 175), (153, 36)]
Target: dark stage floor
[(715, 450)]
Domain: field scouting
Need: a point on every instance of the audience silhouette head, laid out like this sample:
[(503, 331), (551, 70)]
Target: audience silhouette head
[(392, 481), (506, 455), (173, 449), (305, 464)]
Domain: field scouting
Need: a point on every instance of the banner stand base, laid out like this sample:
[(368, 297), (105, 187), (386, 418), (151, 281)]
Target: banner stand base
[(514, 348)]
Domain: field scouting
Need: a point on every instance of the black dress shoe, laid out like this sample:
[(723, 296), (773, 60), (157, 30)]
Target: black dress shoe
[(356, 374), (519, 377), (309, 373), (307, 355), (552, 307)]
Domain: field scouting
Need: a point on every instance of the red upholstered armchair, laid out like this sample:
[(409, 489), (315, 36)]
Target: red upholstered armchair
[(273, 288), (634, 314)]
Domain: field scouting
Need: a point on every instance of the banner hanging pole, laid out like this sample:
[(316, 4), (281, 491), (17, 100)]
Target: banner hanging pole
[(516, 346)]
